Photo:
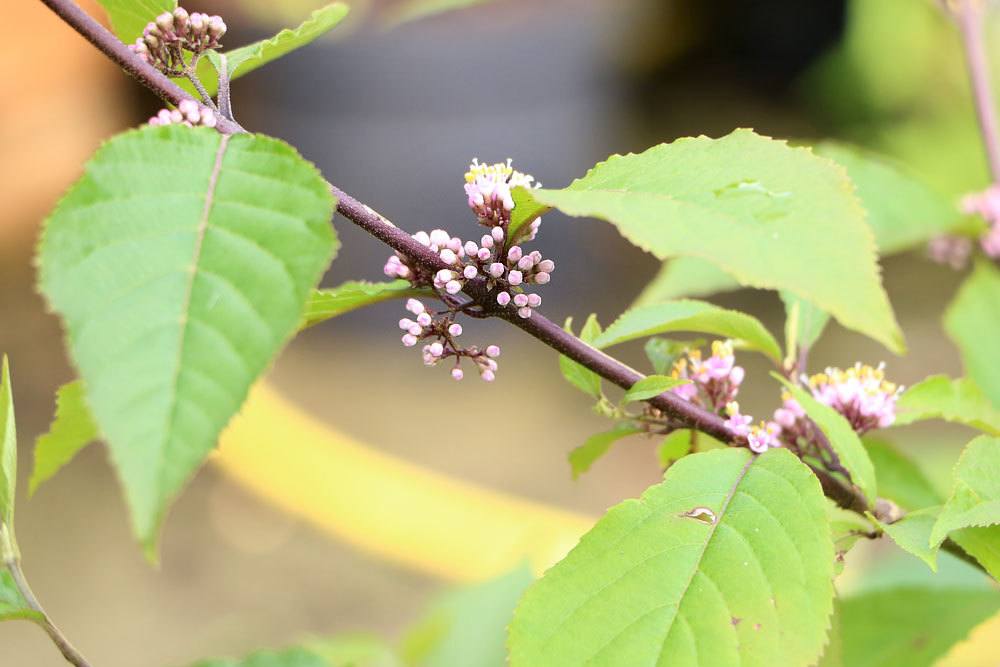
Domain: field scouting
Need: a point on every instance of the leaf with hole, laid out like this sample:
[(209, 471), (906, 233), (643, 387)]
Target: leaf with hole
[(690, 315), (181, 263), (728, 561), (770, 215)]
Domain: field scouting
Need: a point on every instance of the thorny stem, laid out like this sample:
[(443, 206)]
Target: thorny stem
[(58, 638), (372, 222), (969, 14)]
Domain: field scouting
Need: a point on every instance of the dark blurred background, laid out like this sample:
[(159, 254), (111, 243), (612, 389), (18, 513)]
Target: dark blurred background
[(393, 116)]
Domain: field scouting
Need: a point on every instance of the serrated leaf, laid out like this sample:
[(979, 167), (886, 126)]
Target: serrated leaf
[(974, 312), (728, 561), (842, 438), (909, 626), (690, 315), (940, 397), (983, 544), (804, 324), (846, 528), (8, 452), (900, 479), (246, 59), (903, 212), (596, 446), (325, 304), (912, 534), (468, 625), (181, 263), (526, 210), (650, 386), (577, 374), (13, 606), (129, 17), (662, 352), (975, 495), (72, 429), (772, 216), (674, 447), (683, 277)]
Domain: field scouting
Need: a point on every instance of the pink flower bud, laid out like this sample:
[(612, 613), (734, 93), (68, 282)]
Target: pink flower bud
[(208, 118), (514, 254), (457, 373), (534, 300), (449, 256), (414, 306), (436, 349), (470, 272), (503, 298), (455, 329), (514, 278), (424, 319), (440, 238), (542, 278), (406, 323), (497, 234), (496, 269), (444, 275), (453, 287), (415, 330), (471, 248), (525, 263), (524, 313), (409, 340), (520, 300), (493, 351), (483, 255), (488, 376), (423, 238), (547, 265), (736, 375), (486, 241)]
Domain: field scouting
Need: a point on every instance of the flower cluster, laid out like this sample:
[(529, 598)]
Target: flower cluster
[(951, 250), (164, 40), (188, 112), (498, 260), (441, 330), (715, 381), (861, 394), (986, 204)]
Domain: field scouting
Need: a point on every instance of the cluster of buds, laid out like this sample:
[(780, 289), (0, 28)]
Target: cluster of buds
[(164, 40), (761, 437), (189, 113), (986, 205), (440, 331), (950, 250), (715, 381)]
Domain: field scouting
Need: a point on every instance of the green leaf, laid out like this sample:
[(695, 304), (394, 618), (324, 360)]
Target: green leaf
[(900, 479), (685, 277), (181, 263), (909, 626), (674, 447), (804, 324), (846, 528), (912, 534), (662, 352), (526, 210), (8, 452), (246, 59), (772, 216), (903, 212), (596, 446), (728, 561), (940, 397), (689, 315), (129, 17), (650, 386), (13, 606), (975, 495), (406, 11), (843, 439), (576, 374), (983, 544), (325, 304), (291, 657), (72, 429), (468, 625), (972, 317)]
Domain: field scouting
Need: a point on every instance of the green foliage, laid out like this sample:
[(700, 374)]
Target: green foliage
[(900, 479), (728, 561), (596, 446), (685, 277), (467, 626), (129, 17), (772, 216), (405, 11), (903, 212), (971, 319), (913, 532), (662, 352), (576, 374), (246, 59), (940, 397), (674, 447), (8, 457), (526, 209), (975, 495), (13, 606), (650, 386), (171, 318), (290, 657), (689, 315), (842, 438), (983, 544), (909, 626), (804, 324), (325, 304), (72, 429)]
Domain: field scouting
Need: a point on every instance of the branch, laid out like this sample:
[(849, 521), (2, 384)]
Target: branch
[(969, 15), (58, 638), (375, 224)]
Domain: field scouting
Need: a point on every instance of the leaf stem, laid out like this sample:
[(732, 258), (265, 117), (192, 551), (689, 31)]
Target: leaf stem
[(58, 638), (191, 72), (378, 226), (969, 15)]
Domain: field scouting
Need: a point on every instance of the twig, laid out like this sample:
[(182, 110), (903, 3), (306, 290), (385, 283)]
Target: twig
[(225, 101), (969, 15), (191, 72), (58, 638), (365, 217)]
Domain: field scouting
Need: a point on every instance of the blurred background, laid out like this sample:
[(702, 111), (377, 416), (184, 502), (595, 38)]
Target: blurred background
[(393, 114)]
